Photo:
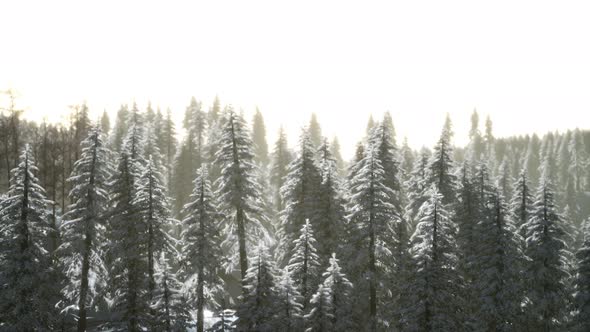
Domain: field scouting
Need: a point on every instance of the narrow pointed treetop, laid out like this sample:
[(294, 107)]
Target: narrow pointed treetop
[(259, 138)]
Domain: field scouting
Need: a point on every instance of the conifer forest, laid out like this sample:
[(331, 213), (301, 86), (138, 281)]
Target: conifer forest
[(138, 223)]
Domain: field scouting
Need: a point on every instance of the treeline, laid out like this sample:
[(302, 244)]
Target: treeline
[(126, 228)]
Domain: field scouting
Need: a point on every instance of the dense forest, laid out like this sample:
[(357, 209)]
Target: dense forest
[(124, 225)]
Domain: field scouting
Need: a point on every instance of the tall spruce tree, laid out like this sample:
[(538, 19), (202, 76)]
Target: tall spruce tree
[(289, 308), (547, 272), (331, 306), (301, 191), (279, 166), (259, 139), (582, 283), (304, 263), (522, 202), (315, 131), (152, 207), (169, 304), (28, 290), (377, 221), (440, 169), (127, 250), (238, 191), (499, 264), (201, 244), (435, 302), (258, 309), (331, 212), (83, 228)]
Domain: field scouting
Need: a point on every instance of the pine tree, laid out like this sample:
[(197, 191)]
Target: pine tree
[(238, 192), (258, 311), (152, 208), (440, 168), (201, 244), (331, 213), (301, 191), (169, 303), (315, 131), (582, 283), (83, 229), (578, 161), (167, 144), (416, 185), (259, 139), (331, 308), (304, 263), (499, 263), (522, 202), (280, 159), (289, 307), (407, 160), (476, 142), (377, 221), (127, 249), (120, 129), (105, 123), (504, 180), (335, 151), (547, 272), (27, 286), (435, 301)]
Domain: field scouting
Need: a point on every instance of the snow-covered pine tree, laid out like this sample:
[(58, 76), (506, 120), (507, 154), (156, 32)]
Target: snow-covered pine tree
[(169, 304), (167, 144), (239, 193), (499, 262), (335, 150), (128, 264), (134, 141), (416, 185), (407, 159), (440, 168), (259, 139), (151, 150), (151, 204), (578, 160), (522, 202), (28, 290), (476, 146), (300, 192), (190, 155), (435, 302), (382, 138), (83, 228), (258, 309), (279, 166), (504, 180), (289, 308), (376, 219), (331, 307), (304, 263), (120, 128), (315, 131), (547, 271), (201, 244), (331, 212), (105, 123), (581, 320)]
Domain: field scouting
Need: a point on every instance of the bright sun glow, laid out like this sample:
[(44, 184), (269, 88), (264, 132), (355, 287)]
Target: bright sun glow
[(343, 60)]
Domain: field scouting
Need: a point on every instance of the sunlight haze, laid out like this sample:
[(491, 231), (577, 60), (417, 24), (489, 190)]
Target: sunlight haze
[(516, 61)]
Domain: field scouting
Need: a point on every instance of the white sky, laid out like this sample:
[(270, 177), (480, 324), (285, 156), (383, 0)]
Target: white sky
[(526, 63)]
